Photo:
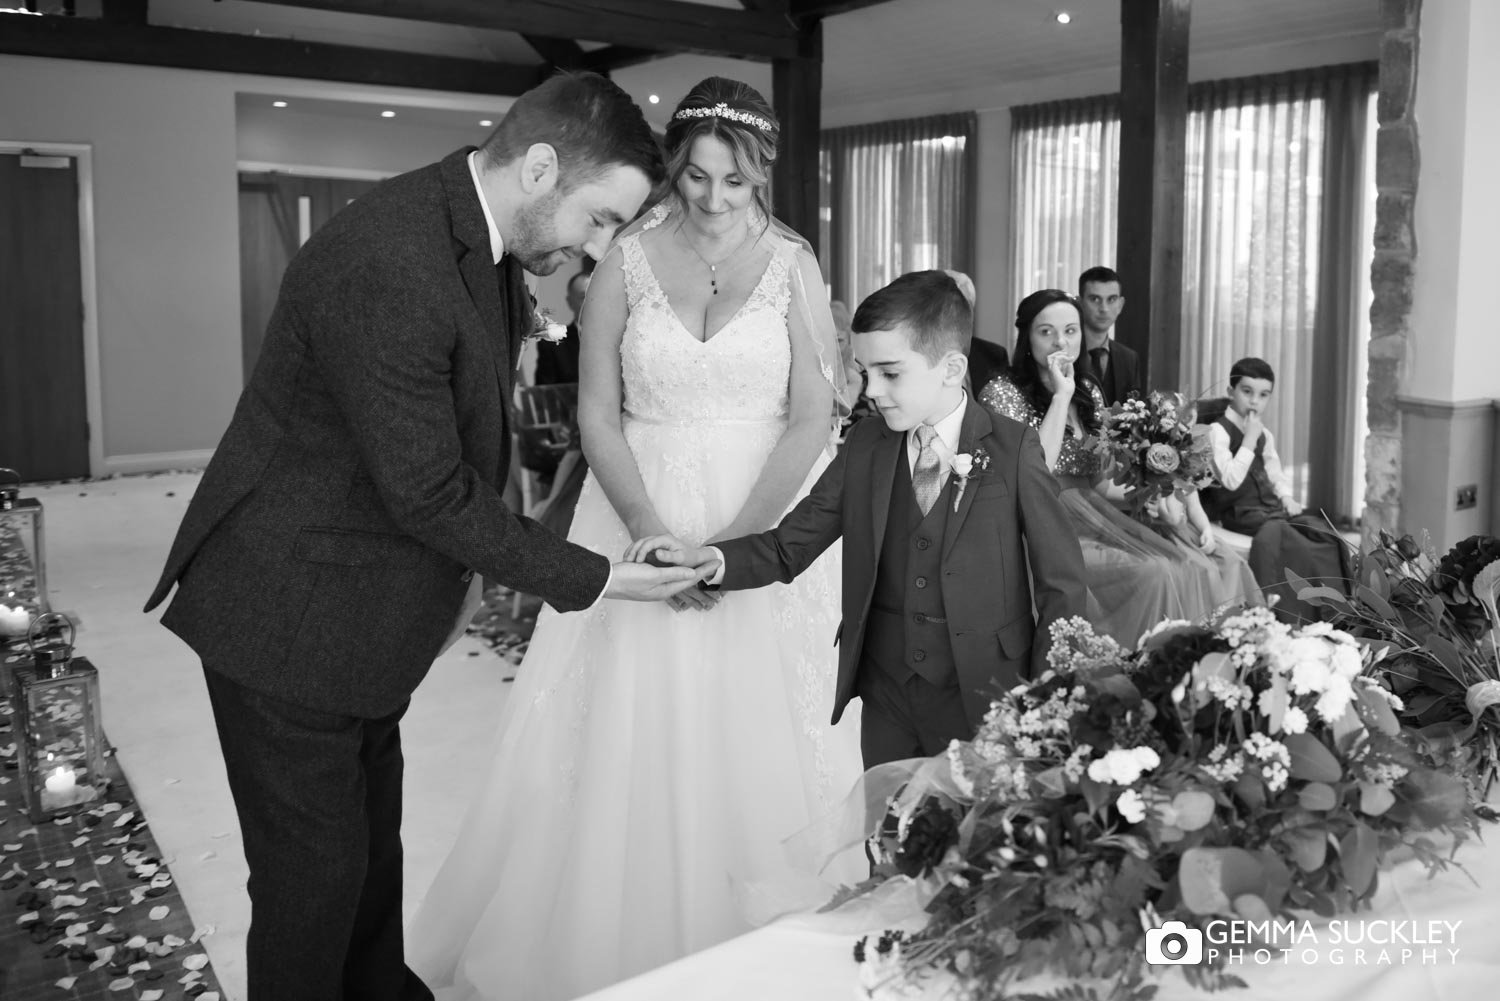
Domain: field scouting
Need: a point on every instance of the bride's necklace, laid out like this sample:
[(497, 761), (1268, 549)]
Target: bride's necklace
[(713, 267)]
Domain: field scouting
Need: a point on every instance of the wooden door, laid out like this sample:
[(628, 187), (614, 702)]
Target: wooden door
[(44, 432), (278, 212)]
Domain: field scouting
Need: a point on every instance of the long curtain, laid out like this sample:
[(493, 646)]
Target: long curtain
[(1065, 184), (1276, 220), (897, 197)]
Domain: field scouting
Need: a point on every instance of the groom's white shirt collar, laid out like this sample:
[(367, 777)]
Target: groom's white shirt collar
[(497, 242)]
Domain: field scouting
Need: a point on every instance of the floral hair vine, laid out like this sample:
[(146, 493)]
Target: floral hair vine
[(722, 110)]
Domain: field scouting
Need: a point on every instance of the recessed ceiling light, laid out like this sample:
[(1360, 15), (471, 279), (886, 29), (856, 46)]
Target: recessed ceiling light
[(387, 114), (278, 104), (654, 99), (486, 122), (1063, 17)]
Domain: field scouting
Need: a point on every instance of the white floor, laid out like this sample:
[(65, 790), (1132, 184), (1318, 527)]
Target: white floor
[(106, 542)]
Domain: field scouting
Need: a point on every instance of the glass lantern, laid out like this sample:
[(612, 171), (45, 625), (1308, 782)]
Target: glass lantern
[(23, 570), (55, 715)]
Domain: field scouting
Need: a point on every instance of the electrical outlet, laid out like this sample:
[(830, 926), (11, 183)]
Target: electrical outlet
[(1468, 496)]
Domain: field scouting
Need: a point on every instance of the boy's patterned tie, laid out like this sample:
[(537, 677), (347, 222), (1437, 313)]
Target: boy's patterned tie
[(925, 475)]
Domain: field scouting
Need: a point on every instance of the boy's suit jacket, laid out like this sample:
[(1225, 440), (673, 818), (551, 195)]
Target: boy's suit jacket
[(1009, 520), (327, 551)]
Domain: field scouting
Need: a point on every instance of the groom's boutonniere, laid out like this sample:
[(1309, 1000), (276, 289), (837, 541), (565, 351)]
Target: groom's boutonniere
[(964, 464), (545, 328)]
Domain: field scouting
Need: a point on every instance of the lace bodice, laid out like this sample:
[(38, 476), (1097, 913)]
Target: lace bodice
[(741, 373), (1077, 457)]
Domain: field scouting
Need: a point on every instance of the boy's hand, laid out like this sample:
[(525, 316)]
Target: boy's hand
[(1294, 508), (1253, 428), (668, 551)]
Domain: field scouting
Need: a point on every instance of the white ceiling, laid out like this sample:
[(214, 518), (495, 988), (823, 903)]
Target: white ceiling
[(896, 58)]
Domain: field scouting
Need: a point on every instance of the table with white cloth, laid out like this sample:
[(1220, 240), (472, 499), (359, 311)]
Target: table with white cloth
[(809, 957)]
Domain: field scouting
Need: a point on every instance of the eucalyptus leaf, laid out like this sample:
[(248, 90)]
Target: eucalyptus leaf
[(1210, 878), (1311, 760), (1359, 850), (1375, 799), (1194, 808), (1376, 602), (1318, 797), (1379, 710), (1307, 847)]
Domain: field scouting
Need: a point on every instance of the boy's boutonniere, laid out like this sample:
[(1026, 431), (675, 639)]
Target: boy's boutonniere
[(964, 464), (545, 328)]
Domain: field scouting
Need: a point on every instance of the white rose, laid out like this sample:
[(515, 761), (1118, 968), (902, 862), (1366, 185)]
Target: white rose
[(1131, 806), (1123, 766), (963, 464)]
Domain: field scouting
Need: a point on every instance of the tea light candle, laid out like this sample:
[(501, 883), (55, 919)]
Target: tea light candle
[(61, 781), (14, 621)]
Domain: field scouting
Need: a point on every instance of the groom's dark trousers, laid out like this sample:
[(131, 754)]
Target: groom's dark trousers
[(326, 553)]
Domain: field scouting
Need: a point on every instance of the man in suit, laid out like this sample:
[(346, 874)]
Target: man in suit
[(557, 361), (1116, 367), (353, 506), (951, 524)]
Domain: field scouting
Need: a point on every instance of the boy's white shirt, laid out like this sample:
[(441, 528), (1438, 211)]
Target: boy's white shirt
[(1233, 468), (949, 430)]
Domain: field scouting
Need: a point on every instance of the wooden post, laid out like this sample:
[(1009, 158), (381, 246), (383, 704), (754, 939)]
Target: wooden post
[(1153, 148), (797, 85)]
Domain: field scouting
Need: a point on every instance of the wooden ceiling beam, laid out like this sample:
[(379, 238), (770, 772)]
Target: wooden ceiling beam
[(827, 8), (615, 57), (670, 25), (186, 48), (559, 52)]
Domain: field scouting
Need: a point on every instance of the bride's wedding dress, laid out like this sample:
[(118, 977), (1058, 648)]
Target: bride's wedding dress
[(649, 763)]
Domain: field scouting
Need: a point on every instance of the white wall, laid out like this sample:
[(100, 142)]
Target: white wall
[(166, 237), (166, 223)]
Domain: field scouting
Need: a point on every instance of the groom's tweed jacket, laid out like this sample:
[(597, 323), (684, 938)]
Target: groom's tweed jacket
[(326, 553)]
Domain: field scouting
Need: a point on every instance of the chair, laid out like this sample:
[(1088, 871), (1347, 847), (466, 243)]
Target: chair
[(546, 430)]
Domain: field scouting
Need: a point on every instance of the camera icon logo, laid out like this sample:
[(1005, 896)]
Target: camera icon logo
[(1174, 944)]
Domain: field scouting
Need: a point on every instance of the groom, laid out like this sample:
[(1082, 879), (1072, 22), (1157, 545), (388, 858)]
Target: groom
[(952, 527), (355, 501)]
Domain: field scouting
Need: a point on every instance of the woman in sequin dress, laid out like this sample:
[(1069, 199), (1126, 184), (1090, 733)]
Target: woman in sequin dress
[(1136, 576)]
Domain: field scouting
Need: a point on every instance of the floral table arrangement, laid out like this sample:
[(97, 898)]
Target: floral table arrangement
[(1156, 448), (1239, 770), (1434, 627)]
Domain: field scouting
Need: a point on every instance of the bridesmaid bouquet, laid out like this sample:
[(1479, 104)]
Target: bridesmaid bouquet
[(1433, 627), (1156, 449), (1245, 771)]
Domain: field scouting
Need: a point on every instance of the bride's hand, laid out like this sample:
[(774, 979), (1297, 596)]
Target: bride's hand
[(668, 550)]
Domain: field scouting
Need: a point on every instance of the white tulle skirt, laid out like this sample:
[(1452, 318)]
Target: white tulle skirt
[(649, 763)]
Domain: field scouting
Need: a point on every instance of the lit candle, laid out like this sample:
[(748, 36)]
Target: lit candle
[(14, 621), (61, 781)]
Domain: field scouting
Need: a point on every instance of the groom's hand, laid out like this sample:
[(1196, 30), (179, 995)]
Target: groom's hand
[(639, 582)]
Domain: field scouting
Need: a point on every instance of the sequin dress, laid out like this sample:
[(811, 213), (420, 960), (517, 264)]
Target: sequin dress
[(1136, 577), (651, 763)]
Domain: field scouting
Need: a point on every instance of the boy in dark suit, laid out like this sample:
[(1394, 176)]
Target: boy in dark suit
[(944, 507)]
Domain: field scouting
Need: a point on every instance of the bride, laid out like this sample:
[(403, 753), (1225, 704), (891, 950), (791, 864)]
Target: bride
[(651, 759)]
